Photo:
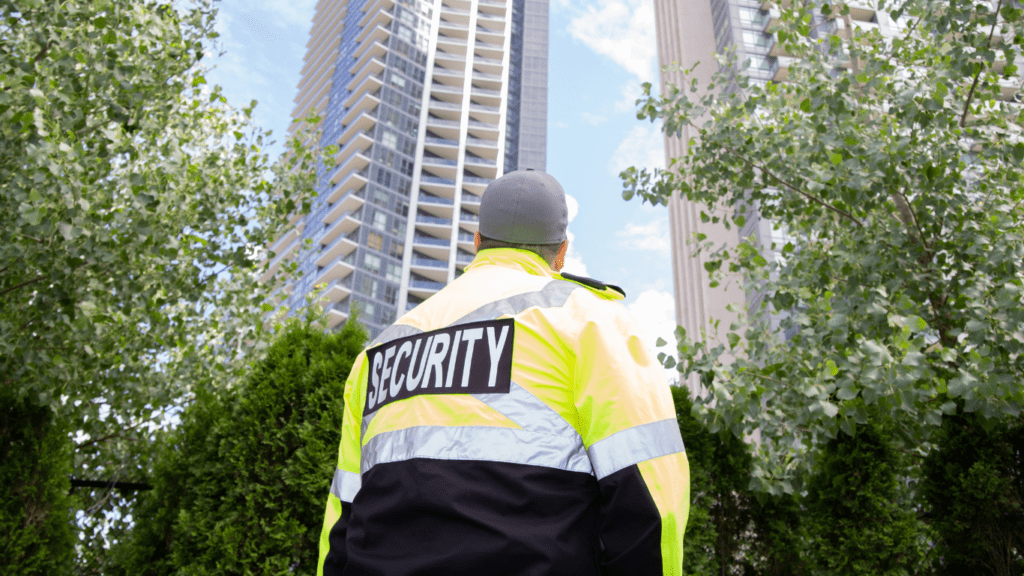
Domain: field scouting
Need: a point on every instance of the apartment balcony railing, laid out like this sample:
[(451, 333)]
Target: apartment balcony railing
[(478, 90), (466, 237), (429, 263), (468, 198), (350, 260), (480, 161), (421, 219), (425, 285), (451, 40), (442, 122), (486, 60), (435, 161), (464, 258), (428, 241), (477, 180), (435, 200), (437, 180), (480, 141), (441, 141), (467, 217)]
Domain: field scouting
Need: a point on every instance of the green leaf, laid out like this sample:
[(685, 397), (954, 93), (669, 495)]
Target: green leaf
[(109, 37), (836, 158)]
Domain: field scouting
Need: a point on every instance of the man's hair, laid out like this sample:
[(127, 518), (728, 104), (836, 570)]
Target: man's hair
[(546, 251)]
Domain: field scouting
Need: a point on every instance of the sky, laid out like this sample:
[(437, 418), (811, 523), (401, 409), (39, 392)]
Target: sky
[(600, 52)]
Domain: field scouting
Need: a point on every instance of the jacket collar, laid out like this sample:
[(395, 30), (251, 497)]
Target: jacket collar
[(513, 258)]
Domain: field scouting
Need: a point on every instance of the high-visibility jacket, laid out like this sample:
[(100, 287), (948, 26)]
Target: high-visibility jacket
[(514, 423)]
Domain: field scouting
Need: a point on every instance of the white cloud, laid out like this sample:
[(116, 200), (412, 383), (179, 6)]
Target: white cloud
[(573, 261), (655, 311), (561, 124), (653, 236), (643, 147), (630, 92), (622, 30), (594, 119)]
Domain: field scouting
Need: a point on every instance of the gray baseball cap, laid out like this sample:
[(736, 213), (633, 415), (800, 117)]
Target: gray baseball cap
[(524, 207)]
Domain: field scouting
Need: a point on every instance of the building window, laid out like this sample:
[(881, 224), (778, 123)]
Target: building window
[(396, 249), (372, 263), (369, 286), (380, 221), (389, 139), (398, 228), (390, 294), (394, 273), (374, 240)]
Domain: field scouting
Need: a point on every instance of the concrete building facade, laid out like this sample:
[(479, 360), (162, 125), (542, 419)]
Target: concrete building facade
[(428, 102)]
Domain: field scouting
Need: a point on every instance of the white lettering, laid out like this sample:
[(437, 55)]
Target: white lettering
[(495, 350), (374, 379), (437, 353), (470, 337), (388, 355), (413, 381), (451, 361), (396, 382)]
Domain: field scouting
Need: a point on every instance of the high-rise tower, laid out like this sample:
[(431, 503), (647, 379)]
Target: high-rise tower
[(428, 101)]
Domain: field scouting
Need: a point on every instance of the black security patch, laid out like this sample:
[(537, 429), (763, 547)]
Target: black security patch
[(473, 358)]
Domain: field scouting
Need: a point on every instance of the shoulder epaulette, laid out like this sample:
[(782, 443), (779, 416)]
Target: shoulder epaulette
[(595, 285)]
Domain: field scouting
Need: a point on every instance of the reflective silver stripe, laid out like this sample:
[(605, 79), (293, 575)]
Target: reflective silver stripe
[(476, 443), (528, 411), (345, 485), (635, 445), (552, 295)]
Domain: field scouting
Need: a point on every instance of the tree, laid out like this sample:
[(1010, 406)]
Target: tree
[(134, 210), (36, 531), (858, 520), (730, 530), (973, 487), (240, 486), (893, 164)]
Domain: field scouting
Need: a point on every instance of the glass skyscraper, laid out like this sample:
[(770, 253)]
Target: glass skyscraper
[(428, 101)]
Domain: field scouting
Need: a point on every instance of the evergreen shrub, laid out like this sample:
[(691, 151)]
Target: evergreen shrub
[(241, 485)]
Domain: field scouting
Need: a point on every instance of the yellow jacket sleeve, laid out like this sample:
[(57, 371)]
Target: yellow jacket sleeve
[(346, 481), (627, 421)]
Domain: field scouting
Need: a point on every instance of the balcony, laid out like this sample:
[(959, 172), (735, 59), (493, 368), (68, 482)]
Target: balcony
[(433, 220), (429, 263), (475, 161), (370, 84), (341, 246), (464, 258), (350, 202), (344, 224), (337, 269), (373, 66), (430, 199), (336, 314), (430, 241), (466, 238), (424, 288), (352, 180)]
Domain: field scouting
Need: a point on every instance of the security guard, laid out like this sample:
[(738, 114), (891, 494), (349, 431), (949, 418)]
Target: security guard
[(514, 423)]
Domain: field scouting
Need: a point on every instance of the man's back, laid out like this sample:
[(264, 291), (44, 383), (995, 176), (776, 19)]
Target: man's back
[(503, 427)]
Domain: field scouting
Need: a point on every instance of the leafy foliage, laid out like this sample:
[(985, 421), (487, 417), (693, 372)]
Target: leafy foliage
[(974, 488), (858, 519), (892, 162), (240, 486), (36, 530), (730, 530), (134, 210)]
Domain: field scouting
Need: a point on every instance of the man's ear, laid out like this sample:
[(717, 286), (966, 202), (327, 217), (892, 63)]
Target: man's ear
[(476, 240)]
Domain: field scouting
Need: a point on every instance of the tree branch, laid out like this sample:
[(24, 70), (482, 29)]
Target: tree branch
[(977, 75), (13, 288), (810, 197)]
